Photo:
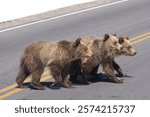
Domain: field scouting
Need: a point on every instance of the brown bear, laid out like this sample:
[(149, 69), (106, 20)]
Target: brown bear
[(101, 49), (60, 57), (109, 64)]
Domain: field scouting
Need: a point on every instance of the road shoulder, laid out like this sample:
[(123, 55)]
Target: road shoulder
[(53, 13)]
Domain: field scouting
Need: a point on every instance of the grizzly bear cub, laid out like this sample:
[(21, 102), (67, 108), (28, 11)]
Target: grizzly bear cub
[(101, 49), (60, 57), (109, 64)]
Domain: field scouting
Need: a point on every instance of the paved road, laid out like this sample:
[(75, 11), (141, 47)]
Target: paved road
[(130, 18)]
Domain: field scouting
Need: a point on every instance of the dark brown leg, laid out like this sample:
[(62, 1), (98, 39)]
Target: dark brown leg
[(94, 71), (56, 73), (73, 78), (84, 80)]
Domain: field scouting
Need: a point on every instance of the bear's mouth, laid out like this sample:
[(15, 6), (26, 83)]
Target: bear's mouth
[(130, 54)]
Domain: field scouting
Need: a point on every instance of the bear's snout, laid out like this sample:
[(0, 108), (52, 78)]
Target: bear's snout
[(134, 53), (120, 47)]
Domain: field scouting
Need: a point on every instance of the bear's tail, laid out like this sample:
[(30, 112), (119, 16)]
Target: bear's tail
[(23, 73)]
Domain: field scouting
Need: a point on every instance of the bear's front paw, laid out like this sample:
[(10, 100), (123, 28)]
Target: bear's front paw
[(120, 81), (22, 86), (67, 85)]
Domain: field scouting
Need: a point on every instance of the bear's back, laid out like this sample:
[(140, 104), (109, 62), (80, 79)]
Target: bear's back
[(56, 52)]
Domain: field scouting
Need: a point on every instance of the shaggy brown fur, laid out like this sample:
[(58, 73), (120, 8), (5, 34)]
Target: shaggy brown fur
[(101, 49), (58, 56)]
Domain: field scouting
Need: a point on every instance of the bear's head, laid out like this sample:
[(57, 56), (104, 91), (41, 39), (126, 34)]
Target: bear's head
[(127, 47), (76, 49), (83, 51), (111, 44), (69, 48)]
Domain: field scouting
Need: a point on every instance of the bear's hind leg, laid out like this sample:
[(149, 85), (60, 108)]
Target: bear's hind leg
[(83, 77), (36, 76), (23, 73), (94, 71)]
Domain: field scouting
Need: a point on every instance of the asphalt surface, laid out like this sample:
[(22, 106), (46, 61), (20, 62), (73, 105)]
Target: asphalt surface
[(130, 18)]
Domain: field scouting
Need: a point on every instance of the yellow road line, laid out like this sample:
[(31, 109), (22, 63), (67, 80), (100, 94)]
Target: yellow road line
[(10, 93), (141, 40), (140, 36), (14, 85), (17, 90), (133, 40)]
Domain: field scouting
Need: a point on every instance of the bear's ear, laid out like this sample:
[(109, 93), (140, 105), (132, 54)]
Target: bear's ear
[(114, 34), (106, 37), (127, 38), (76, 43), (95, 42), (121, 40)]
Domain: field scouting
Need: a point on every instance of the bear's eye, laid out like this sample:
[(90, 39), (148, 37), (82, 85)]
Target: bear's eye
[(115, 43), (129, 47)]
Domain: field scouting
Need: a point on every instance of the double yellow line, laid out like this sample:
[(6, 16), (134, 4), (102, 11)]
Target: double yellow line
[(9, 90), (140, 38), (4, 92)]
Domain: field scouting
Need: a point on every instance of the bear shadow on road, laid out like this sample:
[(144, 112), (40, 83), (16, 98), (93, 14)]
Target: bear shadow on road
[(45, 84), (98, 78), (103, 78)]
